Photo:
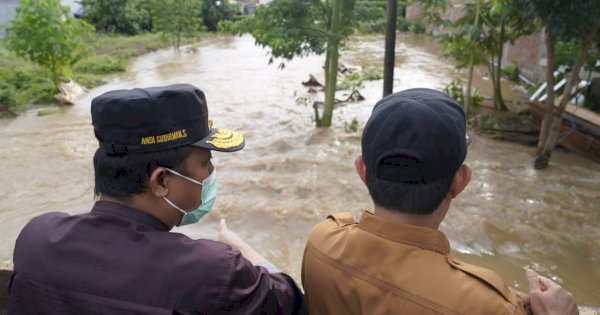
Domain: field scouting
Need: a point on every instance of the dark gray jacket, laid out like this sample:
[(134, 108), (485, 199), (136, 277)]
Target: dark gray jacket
[(118, 260)]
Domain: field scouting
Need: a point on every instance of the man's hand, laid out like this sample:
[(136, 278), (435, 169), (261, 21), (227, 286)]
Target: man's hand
[(548, 298), (229, 237), (236, 242)]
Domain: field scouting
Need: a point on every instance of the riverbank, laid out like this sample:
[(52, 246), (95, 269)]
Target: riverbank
[(24, 84)]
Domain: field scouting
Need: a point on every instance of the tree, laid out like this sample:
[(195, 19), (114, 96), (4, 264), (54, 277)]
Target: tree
[(44, 33), (299, 27), (214, 11), (479, 36), (505, 23), (117, 16), (464, 44), (176, 18), (562, 20)]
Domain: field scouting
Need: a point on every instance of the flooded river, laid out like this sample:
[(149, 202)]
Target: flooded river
[(291, 175)]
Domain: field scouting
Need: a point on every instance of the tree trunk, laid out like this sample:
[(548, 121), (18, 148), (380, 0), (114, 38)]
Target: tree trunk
[(332, 69), (390, 47), (542, 159), (498, 99), (547, 120), (471, 67), (318, 121), (469, 84)]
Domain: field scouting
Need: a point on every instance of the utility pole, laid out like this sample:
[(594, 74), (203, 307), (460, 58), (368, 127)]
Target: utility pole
[(390, 47)]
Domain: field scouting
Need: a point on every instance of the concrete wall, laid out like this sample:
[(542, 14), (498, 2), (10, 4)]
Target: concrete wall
[(530, 53)]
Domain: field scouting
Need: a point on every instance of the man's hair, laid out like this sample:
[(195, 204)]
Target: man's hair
[(406, 197), (121, 176)]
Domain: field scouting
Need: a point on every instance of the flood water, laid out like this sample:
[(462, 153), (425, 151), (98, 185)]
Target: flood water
[(291, 175)]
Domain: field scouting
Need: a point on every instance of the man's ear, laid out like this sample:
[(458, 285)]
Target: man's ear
[(158, 182), (461, 180), (361, 168)]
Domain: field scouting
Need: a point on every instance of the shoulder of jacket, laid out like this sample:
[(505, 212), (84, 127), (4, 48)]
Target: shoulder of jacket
[(342, 218), (334, 223), (489, 277)]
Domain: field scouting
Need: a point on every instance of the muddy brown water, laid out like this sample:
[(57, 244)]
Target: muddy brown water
[(291, 175)]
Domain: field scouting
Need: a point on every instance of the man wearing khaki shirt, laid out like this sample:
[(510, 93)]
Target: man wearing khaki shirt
[(395, 261)]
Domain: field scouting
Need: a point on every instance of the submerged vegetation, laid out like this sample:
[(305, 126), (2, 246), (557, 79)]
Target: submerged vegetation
[(23, 82)]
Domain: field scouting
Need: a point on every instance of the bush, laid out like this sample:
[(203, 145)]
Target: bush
[(100, 65), (416, 27), (353, 82), (43, 32), (413, 26), (214, 11), (370, 16), (129, 17), (456, 90), (227, 26), (511, 71)]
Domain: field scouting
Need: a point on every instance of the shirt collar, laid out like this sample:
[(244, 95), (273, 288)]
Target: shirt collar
[(418, 236), (121, 210)]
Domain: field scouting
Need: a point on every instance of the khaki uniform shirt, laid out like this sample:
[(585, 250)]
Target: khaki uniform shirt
[(382, 267)]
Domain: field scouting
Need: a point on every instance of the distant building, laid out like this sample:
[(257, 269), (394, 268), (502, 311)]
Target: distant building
[(248, 7)]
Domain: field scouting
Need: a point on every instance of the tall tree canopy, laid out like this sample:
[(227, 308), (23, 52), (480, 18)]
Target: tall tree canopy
[(293, 28), (43, 32)]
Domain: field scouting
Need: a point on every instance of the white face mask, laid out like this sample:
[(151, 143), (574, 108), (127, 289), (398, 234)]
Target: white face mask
[(207, 198)]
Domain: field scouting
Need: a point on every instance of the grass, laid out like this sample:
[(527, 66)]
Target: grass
[(23, 83)]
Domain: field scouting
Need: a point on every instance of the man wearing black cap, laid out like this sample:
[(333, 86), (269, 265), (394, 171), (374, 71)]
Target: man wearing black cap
[(395, 261), (152, 172)]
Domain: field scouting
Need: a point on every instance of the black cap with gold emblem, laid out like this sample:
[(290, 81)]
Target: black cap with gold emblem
[(158, 118)]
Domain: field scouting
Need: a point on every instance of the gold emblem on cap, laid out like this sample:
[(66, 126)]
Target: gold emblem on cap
[(225, 139)]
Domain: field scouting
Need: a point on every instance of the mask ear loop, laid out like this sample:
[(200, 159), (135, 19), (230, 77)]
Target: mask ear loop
[(188, 178), (174, 206), (183, 176)]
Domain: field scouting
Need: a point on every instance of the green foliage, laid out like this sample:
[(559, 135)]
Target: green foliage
[(353, 82), (511, 71), (22, 82), (118, 16), (566, 53), (371, 74), (413, 26), (27, 83), (352, 126), (215, 11), (456, 90), (176, 18), (370, 16), (416, 27), (100, 65), (227, 26), (291, 27), (563, 19), (467, 43), (44, 33)]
